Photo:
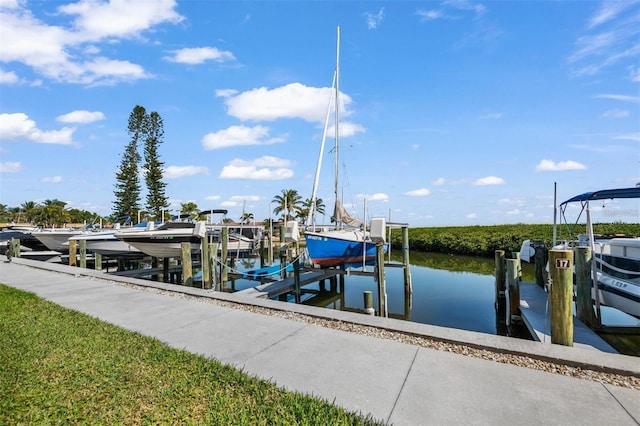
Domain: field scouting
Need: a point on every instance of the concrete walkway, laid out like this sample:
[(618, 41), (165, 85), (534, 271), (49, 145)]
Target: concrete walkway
[(394, 382)]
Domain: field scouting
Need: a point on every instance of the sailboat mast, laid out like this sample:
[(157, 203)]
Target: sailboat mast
[(337, 121)]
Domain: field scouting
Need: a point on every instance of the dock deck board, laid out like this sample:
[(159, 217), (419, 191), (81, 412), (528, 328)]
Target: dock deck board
[(536, 316), (287, 285)]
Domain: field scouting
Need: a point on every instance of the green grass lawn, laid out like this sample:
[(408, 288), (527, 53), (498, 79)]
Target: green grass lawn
[(59, 366)]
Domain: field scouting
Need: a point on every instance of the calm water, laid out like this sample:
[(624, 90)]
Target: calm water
[(448, 291)]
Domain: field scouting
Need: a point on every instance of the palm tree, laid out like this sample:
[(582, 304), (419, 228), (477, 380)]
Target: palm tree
[(303, 212), (246, 217), (52, 212), (287, 202), (189, 208), (29, 209)]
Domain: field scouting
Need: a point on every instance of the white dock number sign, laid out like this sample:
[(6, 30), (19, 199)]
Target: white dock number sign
[(563, 263)]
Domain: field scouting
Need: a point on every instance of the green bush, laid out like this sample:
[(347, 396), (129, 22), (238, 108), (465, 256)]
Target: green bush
[(485, 240)]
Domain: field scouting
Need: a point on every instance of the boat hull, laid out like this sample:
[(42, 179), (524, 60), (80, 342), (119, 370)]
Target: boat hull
[(336, 248), (106, 244), (56, 240)]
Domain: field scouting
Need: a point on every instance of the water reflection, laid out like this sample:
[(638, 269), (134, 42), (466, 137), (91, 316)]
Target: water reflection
[(449, 291)]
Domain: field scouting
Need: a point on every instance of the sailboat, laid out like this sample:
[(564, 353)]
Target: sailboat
[(349, 242)]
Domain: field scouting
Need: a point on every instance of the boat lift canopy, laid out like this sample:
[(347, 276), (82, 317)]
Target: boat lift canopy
[(606, 194)]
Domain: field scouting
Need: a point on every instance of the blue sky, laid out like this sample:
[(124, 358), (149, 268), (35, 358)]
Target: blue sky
[(453, 112)]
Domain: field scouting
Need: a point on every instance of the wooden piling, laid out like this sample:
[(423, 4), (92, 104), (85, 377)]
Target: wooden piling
[(500, 275), (205, 262), (73, 245), (408, 286), (224, 267), (513, 284), (584, 285), (368, 303), (296, 275), (97, 262), (540, 259), (83, 253), (165, 270), (380, 276), (187, 270), (561, 296), (14, 246)]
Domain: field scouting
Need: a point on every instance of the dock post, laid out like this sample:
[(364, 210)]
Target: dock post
[(408, 287), (205, 263), (187, 271), (165, 270), (296, 275), (513, 284), (368, 303), (83, 254), (15, 247), (500, 275), (213, 261), (224, 266), (540, 257), (516, 255), (561, 296), (262, 262), (584, 304), (73, 245), (382, 285), (97, 262)]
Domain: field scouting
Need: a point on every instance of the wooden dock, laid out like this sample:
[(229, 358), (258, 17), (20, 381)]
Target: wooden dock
[(287, 285), (537, 318)]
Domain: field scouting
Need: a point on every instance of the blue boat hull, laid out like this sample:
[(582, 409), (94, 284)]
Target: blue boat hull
[(326, 251)]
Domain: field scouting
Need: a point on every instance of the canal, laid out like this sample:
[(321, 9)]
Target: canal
[(448, 291)]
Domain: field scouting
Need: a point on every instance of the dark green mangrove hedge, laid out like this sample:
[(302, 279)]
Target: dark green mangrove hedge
[(485, 240)]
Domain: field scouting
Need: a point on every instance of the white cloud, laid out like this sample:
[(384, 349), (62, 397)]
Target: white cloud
[(378, 196), (10, 167), (173, 172), (18, 126), (623, 98), (198, 55), (551, 166), (616, 113), (440, 181), (67, 52), (472, 216), (52, 179), (374, 19), (263, 168), (239, 136), (489, 180), (8, 77), (422, 192), (117, 18), (246, 198), (80, 116), (628, 137), (611, 39), (431, 15), (294, 100)]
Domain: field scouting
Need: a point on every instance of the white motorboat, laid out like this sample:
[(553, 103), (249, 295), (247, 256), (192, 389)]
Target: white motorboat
[(57, 239), (166, 240), (106, 244)]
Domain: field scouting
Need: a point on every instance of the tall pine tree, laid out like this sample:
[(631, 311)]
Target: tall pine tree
[(156, 196), (127, 185)]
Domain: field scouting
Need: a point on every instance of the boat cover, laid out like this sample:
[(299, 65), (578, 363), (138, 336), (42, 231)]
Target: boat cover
[(606, 194)]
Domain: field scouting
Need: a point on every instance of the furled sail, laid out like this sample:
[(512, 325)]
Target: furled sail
[(340, 214)]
